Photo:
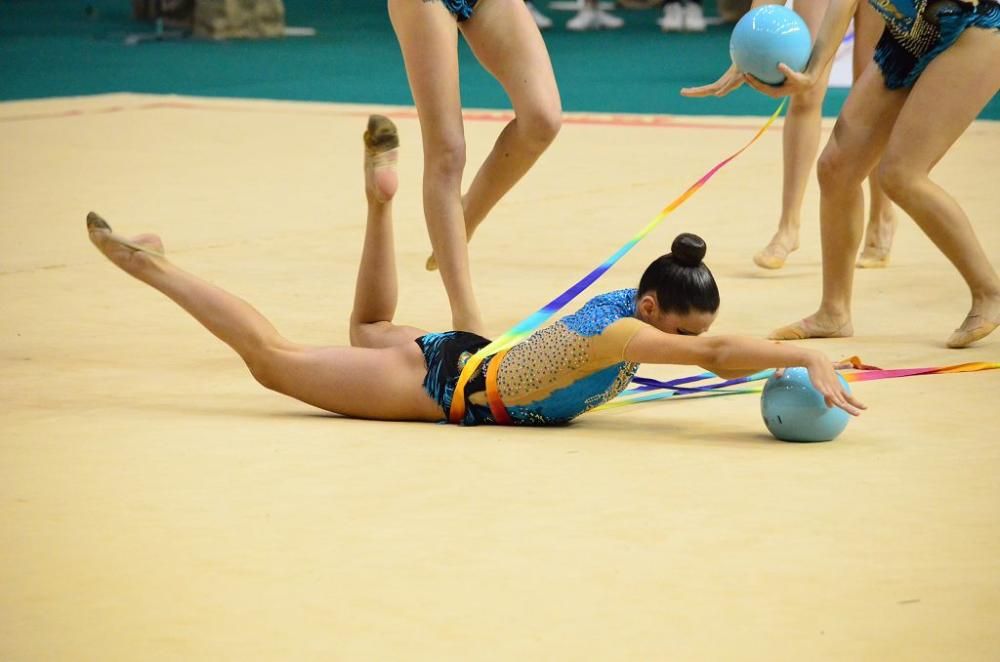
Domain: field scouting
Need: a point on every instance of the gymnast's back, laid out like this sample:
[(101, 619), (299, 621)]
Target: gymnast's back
[(573, 365)]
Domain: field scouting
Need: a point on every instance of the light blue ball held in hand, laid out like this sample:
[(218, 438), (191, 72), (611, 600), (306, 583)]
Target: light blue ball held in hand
[(794, 410), (769, 35)]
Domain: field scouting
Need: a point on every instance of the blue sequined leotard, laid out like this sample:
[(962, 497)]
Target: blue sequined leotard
[(549, 378), (917, 31), (574, 365)]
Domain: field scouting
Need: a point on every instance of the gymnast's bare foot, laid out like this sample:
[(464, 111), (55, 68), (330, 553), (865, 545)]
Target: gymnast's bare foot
[(979, 323), (773, 255), (878, 242), (134, 255), (818, 325), (381, 153)]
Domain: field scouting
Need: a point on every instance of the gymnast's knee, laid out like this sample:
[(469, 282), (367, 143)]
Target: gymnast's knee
[(540, 125), (445, 157), (835, 170), (268, 364), (897, 180), (807, 103), (364, 334)]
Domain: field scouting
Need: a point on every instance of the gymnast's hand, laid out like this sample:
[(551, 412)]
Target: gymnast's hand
[(728, 82), (824, 378), (795, 83)]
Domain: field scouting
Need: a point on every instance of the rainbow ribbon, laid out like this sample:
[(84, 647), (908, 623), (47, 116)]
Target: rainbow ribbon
[(649, 390), (528, 325)]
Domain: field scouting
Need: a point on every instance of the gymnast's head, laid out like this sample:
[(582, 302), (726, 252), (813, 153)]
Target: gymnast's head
[(677, 293)]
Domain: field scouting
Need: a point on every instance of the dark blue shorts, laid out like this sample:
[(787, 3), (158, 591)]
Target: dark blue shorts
[(903, 56), (445, 355), (462, 9)]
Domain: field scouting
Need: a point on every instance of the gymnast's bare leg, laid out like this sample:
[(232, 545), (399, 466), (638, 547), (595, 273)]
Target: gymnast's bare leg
[(376, 290), (910, 131), (506, 41), (342, 380), (945, 100)]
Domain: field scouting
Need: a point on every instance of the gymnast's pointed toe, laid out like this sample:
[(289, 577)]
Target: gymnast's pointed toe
[(95, 222)]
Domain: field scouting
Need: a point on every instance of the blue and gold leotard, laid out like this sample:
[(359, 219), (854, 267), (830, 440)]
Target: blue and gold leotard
[(917, 31), (574, 365), (549, 378)]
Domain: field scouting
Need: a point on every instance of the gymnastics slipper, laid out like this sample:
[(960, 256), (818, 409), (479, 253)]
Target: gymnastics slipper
[(95, 222)]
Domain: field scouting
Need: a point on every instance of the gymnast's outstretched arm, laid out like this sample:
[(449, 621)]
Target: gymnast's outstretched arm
[(732, 355)]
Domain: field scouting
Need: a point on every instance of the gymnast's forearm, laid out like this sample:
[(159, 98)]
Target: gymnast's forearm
[(831, 32), (728, 356), (735, 356)]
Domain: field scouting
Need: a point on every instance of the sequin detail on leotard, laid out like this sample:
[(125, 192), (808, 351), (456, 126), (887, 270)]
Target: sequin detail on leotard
[(572, 366), (917, 31)]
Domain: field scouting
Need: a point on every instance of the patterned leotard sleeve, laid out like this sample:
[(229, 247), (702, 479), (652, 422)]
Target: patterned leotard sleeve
[(574, 365)]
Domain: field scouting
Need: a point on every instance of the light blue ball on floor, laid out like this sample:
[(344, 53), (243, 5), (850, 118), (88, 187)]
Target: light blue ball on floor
[(794, 410), (766, 36)]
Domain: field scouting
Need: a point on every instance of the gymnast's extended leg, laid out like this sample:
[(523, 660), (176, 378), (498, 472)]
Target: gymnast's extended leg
[(344, 380), (376, 290)]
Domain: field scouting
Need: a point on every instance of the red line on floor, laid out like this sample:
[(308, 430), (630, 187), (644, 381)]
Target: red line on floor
[(615, 120)]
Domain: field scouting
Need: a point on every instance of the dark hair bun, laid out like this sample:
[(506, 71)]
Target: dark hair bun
[(688, 249)]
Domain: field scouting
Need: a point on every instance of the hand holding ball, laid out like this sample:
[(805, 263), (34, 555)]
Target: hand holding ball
[(767, 36)]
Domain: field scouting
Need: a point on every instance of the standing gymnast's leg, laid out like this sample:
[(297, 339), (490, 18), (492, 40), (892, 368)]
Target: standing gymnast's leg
[(951, 83), (881, 228), (800, 144), (947, 97), (507, 46), (507, 42), (338, 379), (853, 150)]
